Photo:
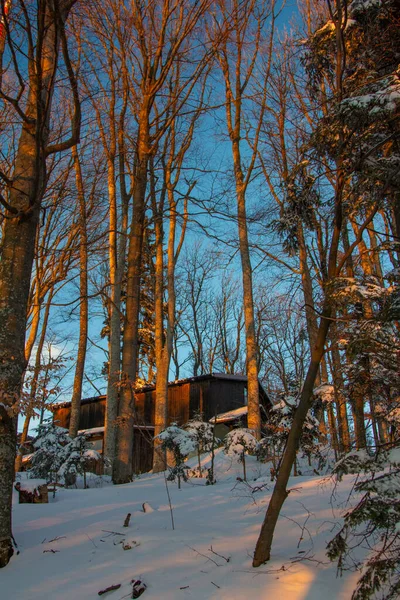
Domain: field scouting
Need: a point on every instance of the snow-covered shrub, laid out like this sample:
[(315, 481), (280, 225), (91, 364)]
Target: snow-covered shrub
[(240, 442), (48, 455), (181, 443), (203, 436), (372, 523), (75, 456), (57, 456)]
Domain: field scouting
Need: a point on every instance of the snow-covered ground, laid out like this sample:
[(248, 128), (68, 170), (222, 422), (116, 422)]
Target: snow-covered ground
[(69, 548)]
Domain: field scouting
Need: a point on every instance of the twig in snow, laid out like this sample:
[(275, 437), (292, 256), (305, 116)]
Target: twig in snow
[(60, 537), (259, 488), (282, 568), (111, 588), (217, 586), (15, 544), (205, 556), (303, 529), (220, 555), (296, 559), (89, 538), (51, 550), (169, 501), (112, 532)]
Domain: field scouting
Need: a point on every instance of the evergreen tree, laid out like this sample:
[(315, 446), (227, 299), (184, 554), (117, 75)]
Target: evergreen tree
[(240, 442), (180, 443), (202, 434), (373, 522), (49, 451)]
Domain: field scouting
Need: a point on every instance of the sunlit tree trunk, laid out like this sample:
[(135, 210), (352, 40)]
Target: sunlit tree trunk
[(19, 233), (83, 299), (238, 66), (165, 323), (162, 31), (34, 383), (122, 468)]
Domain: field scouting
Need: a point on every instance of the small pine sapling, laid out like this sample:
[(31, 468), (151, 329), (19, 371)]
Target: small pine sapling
[(49, 451), (74, 459), (181, 444), (239, 442), (203, 435)]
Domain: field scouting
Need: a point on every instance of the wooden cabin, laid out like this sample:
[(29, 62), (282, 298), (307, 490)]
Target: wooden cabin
[(213, 395)]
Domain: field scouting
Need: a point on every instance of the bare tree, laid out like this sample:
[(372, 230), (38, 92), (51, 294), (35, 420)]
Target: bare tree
[(163, 32), (176, 145), (108, 47), (334, 265), (247, 35), (44, 30)]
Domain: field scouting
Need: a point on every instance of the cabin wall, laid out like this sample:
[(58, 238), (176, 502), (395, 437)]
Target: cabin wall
[(209, 396), (224, 396), (92, 415), (142, 454)]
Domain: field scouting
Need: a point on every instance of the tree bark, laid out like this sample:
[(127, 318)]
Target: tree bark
[(122, 468), (83, 293), (280, 493), (19, 233), (36, 373)]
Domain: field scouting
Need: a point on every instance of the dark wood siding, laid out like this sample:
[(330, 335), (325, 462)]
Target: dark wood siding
[(92, 414), (178, 403), (144, 406), (142, 456), (207, 394), (225, 395)]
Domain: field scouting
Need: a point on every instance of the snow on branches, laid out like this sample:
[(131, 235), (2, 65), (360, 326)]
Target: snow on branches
[(373, 522), (59, 457), (240, 442), (180, 443)]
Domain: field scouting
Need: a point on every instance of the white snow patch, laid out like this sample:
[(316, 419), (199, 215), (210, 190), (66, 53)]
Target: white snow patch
[(176, 564), (231, 415)]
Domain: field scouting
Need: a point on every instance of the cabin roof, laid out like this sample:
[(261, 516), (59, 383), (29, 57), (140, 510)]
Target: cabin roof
[(178, 382)]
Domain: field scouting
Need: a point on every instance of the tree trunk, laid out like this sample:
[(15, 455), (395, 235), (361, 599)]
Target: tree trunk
[(253, 398), (122, 468), (84, 308), (340, 400), (114, 312), (36, 373), (18, 242), (280, 493), (161, 350)]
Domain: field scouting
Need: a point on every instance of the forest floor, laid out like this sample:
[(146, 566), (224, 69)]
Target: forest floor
[(73, 547)]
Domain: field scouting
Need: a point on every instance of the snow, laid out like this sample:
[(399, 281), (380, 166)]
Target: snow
[(325, 392), (30, 485), (92, 431), (231, 415), (363, 5), (178, 437), (384, 98), (180, 564)]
